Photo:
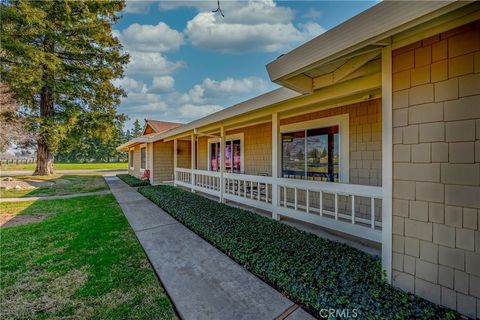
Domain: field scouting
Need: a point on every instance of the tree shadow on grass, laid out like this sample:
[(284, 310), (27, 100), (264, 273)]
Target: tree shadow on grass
[(85, 246)]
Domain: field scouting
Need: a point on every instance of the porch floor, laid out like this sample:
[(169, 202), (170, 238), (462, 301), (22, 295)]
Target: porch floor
[(202, 282), (364, 245)]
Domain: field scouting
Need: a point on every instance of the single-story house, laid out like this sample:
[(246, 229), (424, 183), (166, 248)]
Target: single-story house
[(374, 133), (141, 157)]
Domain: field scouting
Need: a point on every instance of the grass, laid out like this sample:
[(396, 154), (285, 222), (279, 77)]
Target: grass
[(133, 181), (63, 185), (82, 262), (68, 166), (314, 272)]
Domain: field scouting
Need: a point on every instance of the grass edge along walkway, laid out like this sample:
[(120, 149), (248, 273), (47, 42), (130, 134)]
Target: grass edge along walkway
[(82, 261), (314, 272)]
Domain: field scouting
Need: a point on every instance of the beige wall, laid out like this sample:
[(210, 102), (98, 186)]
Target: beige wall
[(257, 147), (365, 138), (162, 161), (136, 161), (436, 173), (184, 154)]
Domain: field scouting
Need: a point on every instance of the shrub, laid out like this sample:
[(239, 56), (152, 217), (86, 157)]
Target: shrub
[(314, 272), (133, 181)]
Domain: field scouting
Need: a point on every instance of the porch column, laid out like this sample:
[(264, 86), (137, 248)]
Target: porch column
[(387, 161), (193, 159), (222, 162), (174, 161), (275, 165), (151, 162)]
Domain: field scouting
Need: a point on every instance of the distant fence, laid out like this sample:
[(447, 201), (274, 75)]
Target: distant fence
[(17, 161)]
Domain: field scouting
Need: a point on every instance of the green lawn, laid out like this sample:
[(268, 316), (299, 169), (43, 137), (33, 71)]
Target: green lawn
[(82, 261), (68, 166), (63, 184)]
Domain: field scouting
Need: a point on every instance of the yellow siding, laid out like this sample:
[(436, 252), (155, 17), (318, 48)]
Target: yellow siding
[(257, 148), (184, 154), (162, 161)]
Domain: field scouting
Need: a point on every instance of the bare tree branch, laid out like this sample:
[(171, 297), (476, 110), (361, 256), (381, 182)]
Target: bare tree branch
[(219, 9)]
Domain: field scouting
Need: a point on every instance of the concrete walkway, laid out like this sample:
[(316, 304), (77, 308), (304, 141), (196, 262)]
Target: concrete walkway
[(67, 196), (202, 282)]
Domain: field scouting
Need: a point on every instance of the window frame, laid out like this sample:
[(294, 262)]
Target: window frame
[(231, 137), (143, 146), (342, 121)]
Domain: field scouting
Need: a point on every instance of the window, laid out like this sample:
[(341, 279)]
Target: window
[(130, 159), (143, 158), (316, 150), (233, 154)]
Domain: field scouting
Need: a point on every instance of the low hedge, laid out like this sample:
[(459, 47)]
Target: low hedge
[(314, 272), (133, 181)]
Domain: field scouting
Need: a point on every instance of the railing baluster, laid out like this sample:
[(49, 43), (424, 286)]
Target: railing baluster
[(266, 192), (321, 203), (295, 200), (372, 209), (336, 206), (353, 209), (285, 196), (251, 189), (308, 201)]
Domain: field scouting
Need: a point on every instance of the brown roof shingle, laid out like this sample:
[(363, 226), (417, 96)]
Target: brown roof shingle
[(162, 126)]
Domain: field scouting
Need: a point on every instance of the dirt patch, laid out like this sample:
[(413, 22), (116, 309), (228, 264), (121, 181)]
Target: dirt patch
[(23, 184), (38, 291), (12, 220)]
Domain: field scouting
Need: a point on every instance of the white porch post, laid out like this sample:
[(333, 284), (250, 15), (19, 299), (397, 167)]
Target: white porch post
[(151, 162), (222, 162), (174, 161), (387, 161), (275, 165), (193, 159)]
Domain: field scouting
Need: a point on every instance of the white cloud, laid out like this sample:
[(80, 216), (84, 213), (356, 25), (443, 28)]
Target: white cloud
[(151, 63), (227, 90), (202, 99), (154, 38), (198, 111), (249, 26), (162, 84), (131, 85), (134, 6), (312, 14)]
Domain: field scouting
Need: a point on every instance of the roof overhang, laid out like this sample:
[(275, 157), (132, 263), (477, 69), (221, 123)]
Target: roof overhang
[(131, 143), (252, 105), (346, 49)]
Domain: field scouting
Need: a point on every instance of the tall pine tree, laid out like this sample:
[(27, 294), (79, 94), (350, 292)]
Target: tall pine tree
[(59, 58)]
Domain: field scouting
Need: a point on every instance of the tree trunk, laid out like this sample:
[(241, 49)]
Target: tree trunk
[(44, 165), (44, 159)]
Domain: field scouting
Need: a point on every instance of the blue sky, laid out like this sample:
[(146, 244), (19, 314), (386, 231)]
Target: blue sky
[(187, 62)]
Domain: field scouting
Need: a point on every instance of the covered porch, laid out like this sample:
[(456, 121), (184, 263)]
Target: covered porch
[(315, 158)]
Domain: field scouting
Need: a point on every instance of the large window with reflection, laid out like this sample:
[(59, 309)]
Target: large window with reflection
[(311, 154)]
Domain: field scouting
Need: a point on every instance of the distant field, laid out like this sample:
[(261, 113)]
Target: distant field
[(67, 166)]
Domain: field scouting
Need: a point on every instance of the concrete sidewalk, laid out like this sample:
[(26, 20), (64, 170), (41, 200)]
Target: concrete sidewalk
[(202, 282)]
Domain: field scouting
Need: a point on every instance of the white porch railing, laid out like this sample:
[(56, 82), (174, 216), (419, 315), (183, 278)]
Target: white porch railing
[(348, 208), (198, 180), (251, 190)]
